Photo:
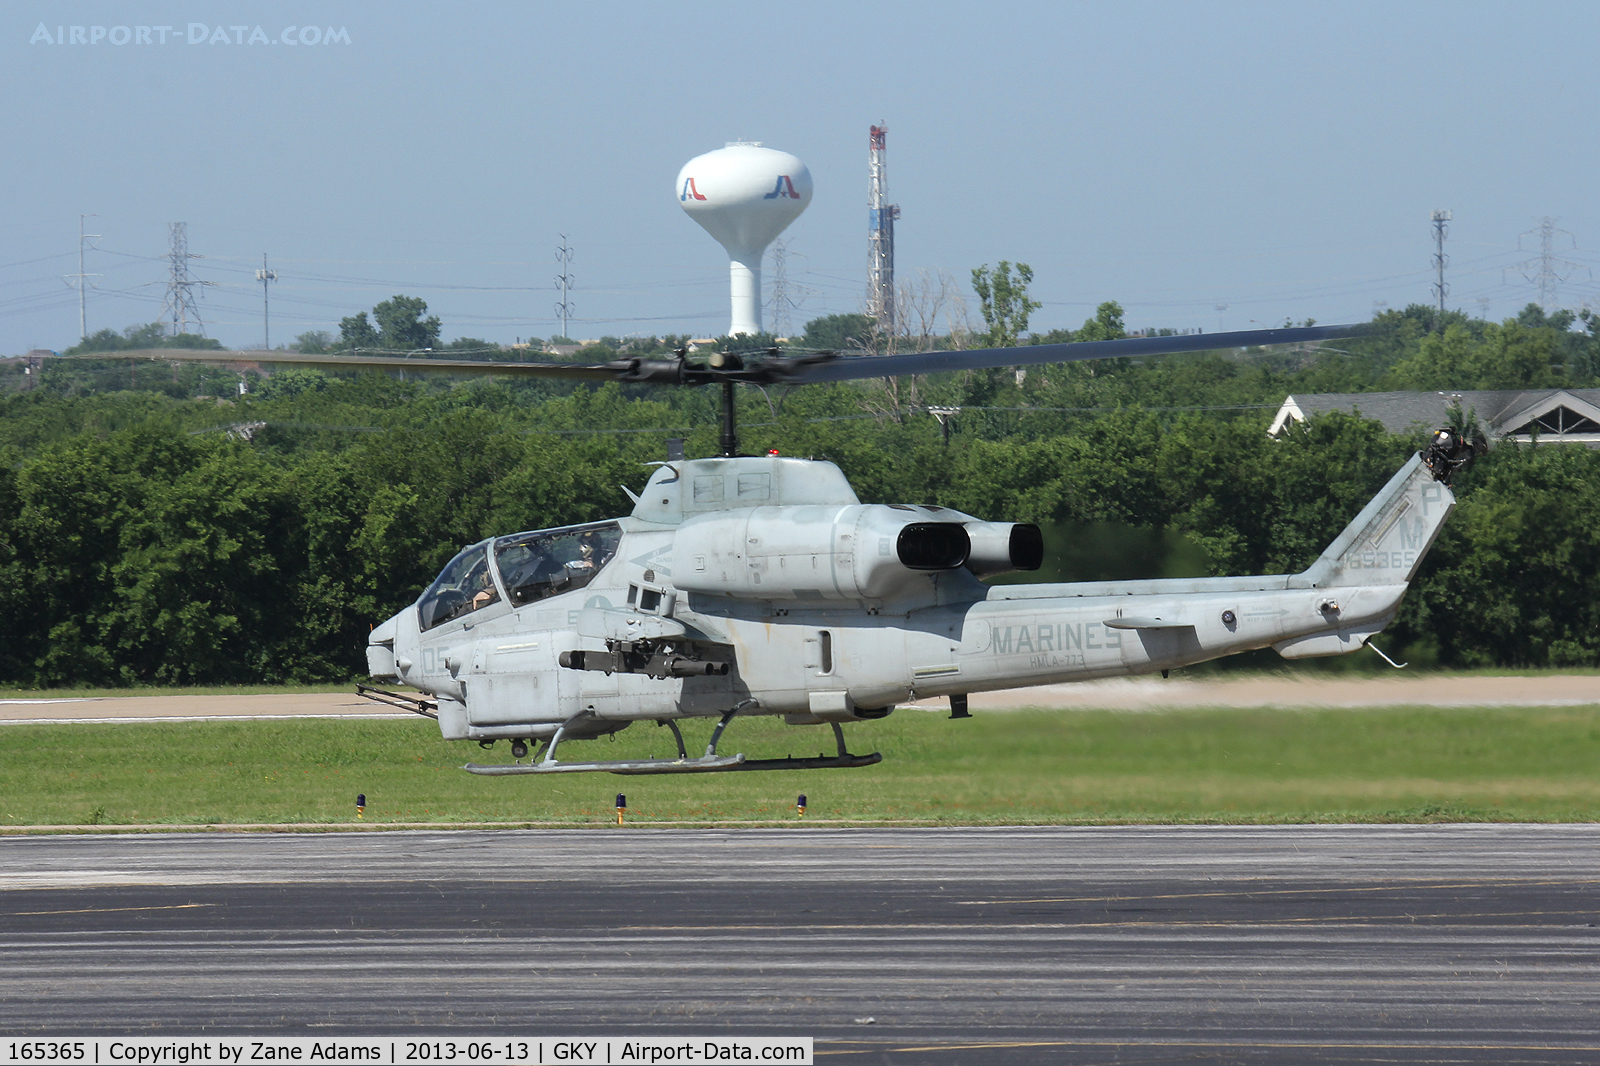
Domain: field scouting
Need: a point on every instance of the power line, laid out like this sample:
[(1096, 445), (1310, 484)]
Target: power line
[(29, 262)]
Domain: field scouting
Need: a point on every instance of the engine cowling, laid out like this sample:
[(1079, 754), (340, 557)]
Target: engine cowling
[(1003, 547), (854, 552)]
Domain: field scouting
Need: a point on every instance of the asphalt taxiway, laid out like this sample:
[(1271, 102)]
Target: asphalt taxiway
[(1118, 693), (1135, 945)]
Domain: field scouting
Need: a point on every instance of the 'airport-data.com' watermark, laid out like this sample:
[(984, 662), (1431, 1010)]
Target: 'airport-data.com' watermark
[(193, 33)]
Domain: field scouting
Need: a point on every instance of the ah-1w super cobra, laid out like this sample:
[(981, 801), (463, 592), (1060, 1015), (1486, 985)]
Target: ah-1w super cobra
[(760, 585)]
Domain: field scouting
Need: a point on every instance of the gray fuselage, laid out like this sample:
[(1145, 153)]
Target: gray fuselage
[(771, 569)]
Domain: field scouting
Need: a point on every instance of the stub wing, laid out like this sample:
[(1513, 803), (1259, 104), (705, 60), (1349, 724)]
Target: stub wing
[(1152, 622)]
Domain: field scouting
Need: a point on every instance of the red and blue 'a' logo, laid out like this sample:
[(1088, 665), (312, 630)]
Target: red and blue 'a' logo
[(689, 191), (785, 188)]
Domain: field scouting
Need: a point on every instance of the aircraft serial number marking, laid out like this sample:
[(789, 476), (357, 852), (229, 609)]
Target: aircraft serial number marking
[(1399, 560)]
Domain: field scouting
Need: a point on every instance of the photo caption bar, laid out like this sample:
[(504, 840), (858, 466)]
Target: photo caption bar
[(193, 33), (403, 1051)]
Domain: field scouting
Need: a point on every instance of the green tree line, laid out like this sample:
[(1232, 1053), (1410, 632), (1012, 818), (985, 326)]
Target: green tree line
[(185, 533)]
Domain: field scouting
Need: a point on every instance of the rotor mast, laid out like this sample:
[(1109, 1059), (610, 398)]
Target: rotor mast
[(730, 428)]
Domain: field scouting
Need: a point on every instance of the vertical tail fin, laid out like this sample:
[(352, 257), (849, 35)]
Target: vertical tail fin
[(1386, 542)]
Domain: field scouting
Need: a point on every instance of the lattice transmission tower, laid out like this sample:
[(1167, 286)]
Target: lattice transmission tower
[(1546, 271), (784, 295), (179, 305)]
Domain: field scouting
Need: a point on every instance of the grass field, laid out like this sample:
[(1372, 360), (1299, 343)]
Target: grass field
[(1204, 765)]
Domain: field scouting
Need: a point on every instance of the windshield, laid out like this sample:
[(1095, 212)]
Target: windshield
[(552, 561), (463, 586)]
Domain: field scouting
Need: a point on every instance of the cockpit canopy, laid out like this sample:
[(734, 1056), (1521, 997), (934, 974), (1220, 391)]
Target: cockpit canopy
[(552, 561), (526, 567), (463, 586)]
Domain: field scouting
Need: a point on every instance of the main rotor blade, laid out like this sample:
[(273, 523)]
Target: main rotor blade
[(480, 367), (764, 370), (881, 366)]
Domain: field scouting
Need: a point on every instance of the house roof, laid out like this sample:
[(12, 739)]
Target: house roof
[(1566, 414)]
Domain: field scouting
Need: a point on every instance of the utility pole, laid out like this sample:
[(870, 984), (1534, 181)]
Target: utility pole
[(32, 367), (944, 415), (564, 282), (180, 299), (264, 275), (80, 280), (1441, 227)]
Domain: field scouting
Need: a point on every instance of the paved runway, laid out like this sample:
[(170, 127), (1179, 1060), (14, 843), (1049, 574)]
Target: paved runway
[(1093, 945), (1118, 693)]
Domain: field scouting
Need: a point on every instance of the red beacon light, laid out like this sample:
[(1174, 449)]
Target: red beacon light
[(772, 451)]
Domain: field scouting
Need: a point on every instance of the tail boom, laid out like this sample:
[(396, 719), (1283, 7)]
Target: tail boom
[(1025, 635)]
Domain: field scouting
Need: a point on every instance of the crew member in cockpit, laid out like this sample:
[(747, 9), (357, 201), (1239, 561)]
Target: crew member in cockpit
[(482, 585), (603, 551), (588, 560)]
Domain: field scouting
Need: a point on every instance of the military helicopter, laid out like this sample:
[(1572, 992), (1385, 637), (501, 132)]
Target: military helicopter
[(748, 585)]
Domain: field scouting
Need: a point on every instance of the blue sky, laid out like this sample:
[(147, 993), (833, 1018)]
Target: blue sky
[(1280, 158)]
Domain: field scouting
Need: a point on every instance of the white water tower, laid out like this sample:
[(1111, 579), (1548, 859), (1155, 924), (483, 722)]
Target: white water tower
[(744, 195)]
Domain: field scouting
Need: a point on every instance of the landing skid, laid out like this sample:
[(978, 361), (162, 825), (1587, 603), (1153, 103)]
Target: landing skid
[(821, 762), (617, 766), (710, 763)]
